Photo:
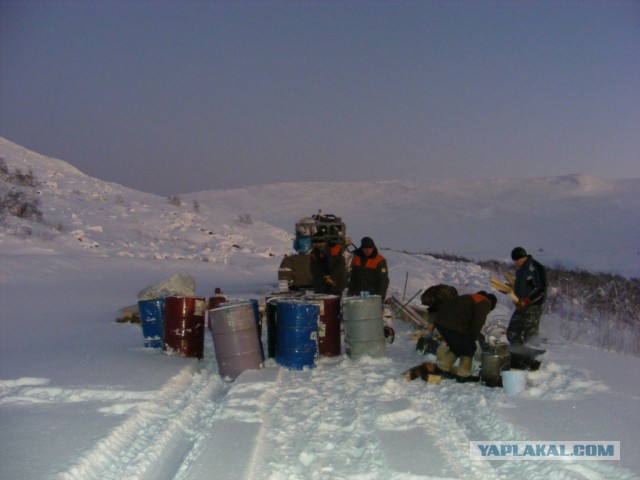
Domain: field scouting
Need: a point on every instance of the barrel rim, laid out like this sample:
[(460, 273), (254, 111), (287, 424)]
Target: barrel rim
[(358, 298)]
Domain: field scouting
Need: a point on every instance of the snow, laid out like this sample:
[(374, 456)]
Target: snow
[(81, 398)]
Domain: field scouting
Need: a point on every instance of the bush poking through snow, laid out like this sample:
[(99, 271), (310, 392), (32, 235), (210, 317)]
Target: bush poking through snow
[(15, 199), (17, 177), (174, 200), (20, 204), (245, 219)]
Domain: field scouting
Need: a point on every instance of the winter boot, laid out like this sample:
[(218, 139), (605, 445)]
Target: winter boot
[(446, 359), (463, 372)]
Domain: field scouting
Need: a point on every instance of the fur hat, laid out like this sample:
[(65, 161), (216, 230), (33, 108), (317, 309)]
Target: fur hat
[(518, 253), (489, 296), (367, 242)]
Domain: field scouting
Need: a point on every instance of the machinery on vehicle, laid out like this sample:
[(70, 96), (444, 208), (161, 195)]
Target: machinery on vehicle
[(295, 271)]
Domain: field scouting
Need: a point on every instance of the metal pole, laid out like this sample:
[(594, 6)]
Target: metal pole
[(405, 285), (406, 304)]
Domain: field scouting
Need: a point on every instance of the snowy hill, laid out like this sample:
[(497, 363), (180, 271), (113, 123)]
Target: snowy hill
[(576, 221), (80, 212), (81, 398)]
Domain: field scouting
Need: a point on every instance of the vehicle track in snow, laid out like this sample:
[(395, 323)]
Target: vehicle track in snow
[(323, 423), (473, 413), (154, 441), (305, 413)]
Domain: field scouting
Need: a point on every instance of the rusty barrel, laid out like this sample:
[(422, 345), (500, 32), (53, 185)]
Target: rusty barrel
[(152, 321), (235, 338), (364, 326), (184, 326), (258, 318), (297, 334), (214, 301), (328, 324)]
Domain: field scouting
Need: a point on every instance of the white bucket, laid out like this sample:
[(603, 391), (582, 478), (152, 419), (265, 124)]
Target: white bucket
[(513, 381)]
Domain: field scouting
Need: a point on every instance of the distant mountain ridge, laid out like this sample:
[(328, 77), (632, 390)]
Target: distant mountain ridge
[(573, 220)]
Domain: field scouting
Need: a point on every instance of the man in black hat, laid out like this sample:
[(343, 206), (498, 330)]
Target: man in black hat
[(528, 295), (368, 271)]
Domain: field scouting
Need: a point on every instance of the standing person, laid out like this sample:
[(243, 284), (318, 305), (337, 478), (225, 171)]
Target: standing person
[(460, 321), (368, 271), (328, 266), (528, 295)]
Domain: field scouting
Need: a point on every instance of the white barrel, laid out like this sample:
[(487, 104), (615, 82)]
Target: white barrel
[(364, 326)]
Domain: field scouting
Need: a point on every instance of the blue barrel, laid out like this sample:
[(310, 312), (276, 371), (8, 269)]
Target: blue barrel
[(271, 311), (297, 334), (152, 321), (364, 326), (235, 339)]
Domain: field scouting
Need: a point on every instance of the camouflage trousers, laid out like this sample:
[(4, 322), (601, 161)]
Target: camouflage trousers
[(524, 324)]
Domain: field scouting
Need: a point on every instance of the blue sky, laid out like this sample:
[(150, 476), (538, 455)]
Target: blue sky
[(176, 97)]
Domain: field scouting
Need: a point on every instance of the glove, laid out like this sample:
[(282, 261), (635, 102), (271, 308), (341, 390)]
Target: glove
[(329, 281), (514, 297)]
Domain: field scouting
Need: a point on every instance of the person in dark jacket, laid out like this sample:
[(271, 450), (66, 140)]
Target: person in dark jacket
[(368, 271), (460, 321), (328, 266), (528, 295)]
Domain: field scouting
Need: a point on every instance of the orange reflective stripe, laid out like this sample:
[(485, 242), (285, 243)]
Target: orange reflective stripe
[(370, 263), (479, 298), (373, 262)]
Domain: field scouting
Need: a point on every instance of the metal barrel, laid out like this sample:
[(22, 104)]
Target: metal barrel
[(271, 302), (214, 301), (364, 326), (235, 338), (328, 324), (494, 360), (258, 319), (184, 326), (297, 334), (271, 310), (152, 321)]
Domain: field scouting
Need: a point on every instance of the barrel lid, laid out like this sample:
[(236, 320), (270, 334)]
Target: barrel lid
[(320, 296), (496, 349), (293, 301), (362, 299), (232, 304)]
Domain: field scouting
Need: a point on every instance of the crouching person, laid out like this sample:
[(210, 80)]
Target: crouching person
[(460, 321)]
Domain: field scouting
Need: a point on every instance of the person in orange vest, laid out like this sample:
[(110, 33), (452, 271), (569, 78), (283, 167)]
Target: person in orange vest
[(328, 266), (369, 271)]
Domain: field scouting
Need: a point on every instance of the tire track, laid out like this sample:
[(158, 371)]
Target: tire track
[(154, 442), (302, 414)]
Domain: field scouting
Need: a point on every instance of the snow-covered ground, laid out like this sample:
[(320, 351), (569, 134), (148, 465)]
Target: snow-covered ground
[(81, 398)]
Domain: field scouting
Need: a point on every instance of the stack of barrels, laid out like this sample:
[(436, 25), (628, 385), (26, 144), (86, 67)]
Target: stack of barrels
[(300, 328)]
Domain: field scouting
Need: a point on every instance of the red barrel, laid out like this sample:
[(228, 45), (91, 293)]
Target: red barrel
[(328, 325), (214, 301), (184, 326)]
